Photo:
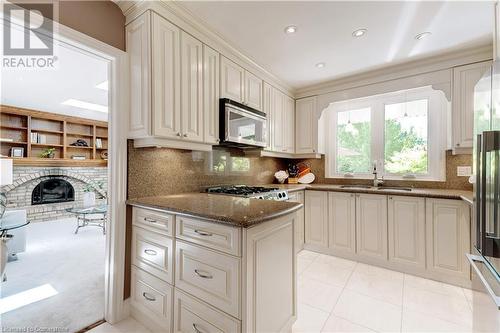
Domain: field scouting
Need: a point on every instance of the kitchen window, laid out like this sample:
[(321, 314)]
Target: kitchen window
[(402, 133)]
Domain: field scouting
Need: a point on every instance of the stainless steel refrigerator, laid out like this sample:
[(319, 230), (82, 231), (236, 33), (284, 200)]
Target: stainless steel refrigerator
[(485, 256)]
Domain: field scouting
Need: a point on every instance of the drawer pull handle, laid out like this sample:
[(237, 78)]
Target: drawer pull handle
[(147, 219), (202, 274), (150, 252), (196, 328), (148, 297), (203, 233)]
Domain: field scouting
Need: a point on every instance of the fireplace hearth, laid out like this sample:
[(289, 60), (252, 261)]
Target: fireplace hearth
[(52, 190)]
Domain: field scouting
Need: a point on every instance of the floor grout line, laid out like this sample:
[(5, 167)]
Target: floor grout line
[(402, 303)]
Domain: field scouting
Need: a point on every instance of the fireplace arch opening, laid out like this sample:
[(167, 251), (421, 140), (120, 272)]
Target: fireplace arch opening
[(52, 190)]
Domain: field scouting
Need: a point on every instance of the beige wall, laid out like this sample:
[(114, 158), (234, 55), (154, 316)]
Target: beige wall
[(102, 20)]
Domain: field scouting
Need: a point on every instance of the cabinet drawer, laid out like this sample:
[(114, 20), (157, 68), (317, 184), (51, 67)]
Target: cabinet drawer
[(191, 315), (153, 220), (216, 236), (153, 253), (151, 300), (208, 275)]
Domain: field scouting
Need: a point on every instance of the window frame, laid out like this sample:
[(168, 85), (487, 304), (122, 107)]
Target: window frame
[(436, 133)]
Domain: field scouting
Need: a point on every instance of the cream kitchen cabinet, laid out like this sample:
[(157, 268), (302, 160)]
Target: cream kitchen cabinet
[(268, 105), (406, 223), (448, 237), (281, 112), (211, 74), (316, 218), (289, 125), (342, 222), (371, 226), (309, 134), (299, 223), (278, 117), (240, 85), (464, 81)]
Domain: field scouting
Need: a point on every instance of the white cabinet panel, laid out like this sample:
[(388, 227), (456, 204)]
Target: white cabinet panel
[(191, 315), (160, 222), (278, 126), (316, 215), (166, 78), (289, 125), (406, 217), (151, 301), (268, 110), (211, 94), (448, 237), (306, 128), (299, 222), (253, 91), (371, 226), (464, 81), (232, 80), (191, 88), (209, 275), (138, 47), (153, 253), (342, 222)]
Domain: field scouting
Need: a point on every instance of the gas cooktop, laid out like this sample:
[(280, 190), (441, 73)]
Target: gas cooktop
[(258, 192)]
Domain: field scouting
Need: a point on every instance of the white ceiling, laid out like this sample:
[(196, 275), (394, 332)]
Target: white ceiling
[(325, 28), (75, 76)]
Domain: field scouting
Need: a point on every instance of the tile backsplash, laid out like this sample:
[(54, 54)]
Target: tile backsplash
[(162, 171)]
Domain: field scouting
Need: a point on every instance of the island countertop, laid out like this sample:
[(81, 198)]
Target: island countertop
[(236, 211)]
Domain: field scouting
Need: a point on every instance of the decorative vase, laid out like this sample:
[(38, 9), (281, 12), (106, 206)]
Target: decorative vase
[(89, 199)]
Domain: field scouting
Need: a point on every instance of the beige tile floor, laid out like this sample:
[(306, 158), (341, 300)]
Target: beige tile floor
[(338, 295)]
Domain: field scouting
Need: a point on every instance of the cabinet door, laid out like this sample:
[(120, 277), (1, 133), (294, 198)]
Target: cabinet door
[(342, 222), (268, 110), (306, 126), (371, 226), (448, 237), (464, 81), (299, 222), (289, 121), (166, 79), (278, 120), (316, 218), (406, 217), (191, 88), (138, 48), (253, 91), (211, 95), (232, 80)]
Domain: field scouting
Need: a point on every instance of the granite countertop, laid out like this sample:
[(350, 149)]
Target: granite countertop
[(415, 192), (236, 211)]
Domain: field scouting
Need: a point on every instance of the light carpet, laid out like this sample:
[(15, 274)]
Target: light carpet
[(71, 264)]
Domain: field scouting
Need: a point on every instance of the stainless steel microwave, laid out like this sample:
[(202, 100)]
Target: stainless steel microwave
[(241, 126)]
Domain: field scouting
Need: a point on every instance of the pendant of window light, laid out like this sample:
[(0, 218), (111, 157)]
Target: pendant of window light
[(349, 128)]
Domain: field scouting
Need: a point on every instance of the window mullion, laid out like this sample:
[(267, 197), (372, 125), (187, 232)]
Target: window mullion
[(378, 132)]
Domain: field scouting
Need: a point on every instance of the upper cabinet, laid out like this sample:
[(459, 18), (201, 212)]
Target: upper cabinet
[(240, 85), (308, 132), (464, 81), (211, 94), (289, 124)]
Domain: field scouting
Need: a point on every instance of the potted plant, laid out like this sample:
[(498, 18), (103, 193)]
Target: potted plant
[(89, 193), (48, 153)]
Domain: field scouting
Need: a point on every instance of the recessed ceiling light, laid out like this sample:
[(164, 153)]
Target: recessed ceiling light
[(291, 29), (85, 105), (320, 65), (103, 85), (423, 35), (359, 32)]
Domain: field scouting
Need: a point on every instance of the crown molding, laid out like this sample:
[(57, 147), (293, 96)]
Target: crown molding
[(421, 66), (176, 13)]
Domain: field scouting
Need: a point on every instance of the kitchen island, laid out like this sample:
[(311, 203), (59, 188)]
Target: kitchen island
[(213, 263)]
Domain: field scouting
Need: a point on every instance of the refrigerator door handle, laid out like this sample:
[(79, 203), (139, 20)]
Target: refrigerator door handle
[(473, 259)]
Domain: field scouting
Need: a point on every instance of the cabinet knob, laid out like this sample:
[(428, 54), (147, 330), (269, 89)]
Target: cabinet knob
[(185, 135), (178, 134), (217, 140), (458, 144)]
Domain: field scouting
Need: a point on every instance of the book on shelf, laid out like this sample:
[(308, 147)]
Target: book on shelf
[(6, 140), (98, 143), (38, 138)]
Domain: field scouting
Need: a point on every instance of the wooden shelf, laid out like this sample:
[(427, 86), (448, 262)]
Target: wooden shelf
[(18, 124)]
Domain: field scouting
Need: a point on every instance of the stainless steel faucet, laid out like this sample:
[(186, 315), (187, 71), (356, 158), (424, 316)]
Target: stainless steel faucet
[(376, 182)]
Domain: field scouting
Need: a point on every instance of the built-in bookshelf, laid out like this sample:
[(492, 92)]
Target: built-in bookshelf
[(76, 141)]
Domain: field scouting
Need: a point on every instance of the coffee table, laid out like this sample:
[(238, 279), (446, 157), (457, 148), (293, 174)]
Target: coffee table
[(90, 216)]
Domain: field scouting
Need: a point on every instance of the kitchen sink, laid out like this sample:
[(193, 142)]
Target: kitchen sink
[(406, 189), (355, 186)]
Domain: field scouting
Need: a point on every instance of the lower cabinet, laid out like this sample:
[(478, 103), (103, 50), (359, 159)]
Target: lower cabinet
[(406, 217), (448, 237), (316, 215), (342, 222), (371, 226), (191, 315), (299, 222)]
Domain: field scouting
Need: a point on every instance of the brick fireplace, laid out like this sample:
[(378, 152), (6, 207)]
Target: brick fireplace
[(62, 187)]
